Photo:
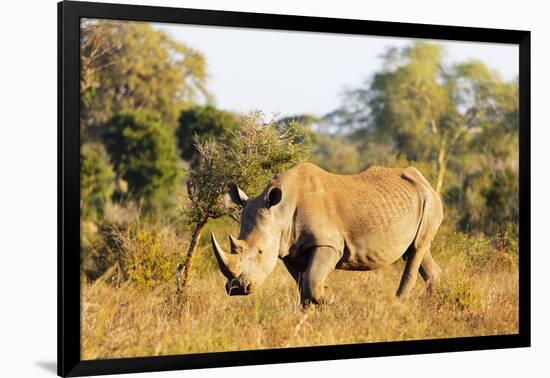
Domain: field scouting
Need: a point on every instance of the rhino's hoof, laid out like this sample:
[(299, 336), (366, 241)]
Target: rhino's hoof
[(329, 295), (402, 296), (321, 301)]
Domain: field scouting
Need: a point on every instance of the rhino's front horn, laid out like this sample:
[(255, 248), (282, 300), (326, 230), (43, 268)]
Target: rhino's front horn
[(228, 263)]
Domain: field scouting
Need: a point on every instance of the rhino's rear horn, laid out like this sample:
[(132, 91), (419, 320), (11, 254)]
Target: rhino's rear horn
[(233, 243), (228, 263), (237, 246)]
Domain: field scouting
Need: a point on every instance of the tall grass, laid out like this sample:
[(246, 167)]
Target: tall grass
[(141, 314)]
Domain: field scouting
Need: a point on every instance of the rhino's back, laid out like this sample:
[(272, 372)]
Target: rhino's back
[(372, 217)]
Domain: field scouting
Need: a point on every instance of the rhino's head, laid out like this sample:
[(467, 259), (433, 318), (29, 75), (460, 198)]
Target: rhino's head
[(253, 255)]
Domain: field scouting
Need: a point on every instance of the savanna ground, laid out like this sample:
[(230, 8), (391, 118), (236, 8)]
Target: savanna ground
[(133, 309)]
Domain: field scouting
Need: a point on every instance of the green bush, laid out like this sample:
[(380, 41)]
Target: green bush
[(96, 181), (479, 252), (144, 154), (458, 292), (148, 255)]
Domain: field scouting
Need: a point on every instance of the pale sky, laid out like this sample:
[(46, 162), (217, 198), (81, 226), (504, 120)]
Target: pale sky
[(299, 72)]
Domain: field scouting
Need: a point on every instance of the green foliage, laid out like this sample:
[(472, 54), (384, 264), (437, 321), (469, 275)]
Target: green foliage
[(96, 180), (489, 198), (501, 197), (144, 154), (130, 65), (257, 150), (206, 121)]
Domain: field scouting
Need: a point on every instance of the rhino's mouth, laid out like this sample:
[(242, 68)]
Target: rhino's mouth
[(236, 287)]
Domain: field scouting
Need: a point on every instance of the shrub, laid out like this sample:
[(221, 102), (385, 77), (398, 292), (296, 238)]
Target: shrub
[(507, 247), (479, 253), (458, 292), (96, 180), (147, 254)]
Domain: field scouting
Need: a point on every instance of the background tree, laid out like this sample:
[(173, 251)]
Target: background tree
[(248, 156), (144, 154), (130, 65), (206, 121), (333, 151), (488, 108), (97, 54), (337, 154), (407, 101)]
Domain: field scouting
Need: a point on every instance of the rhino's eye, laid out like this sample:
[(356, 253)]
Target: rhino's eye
[(260, 251)]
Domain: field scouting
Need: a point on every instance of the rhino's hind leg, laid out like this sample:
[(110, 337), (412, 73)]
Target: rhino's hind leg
[(323, 260), (418, 254), (429, 270), (412, 265)]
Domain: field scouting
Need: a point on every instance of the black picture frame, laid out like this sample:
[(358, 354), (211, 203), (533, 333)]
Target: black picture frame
[(69, 15)]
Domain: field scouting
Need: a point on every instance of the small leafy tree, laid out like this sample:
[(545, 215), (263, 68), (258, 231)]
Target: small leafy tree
[(96, 180), (247, 156), (256, 151), (144, 154)]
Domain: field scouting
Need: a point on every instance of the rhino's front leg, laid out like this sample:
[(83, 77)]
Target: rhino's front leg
[(297, 274), (323, 260)]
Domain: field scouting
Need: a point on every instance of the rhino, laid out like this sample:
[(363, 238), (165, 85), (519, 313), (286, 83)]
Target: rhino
[(316, 221)]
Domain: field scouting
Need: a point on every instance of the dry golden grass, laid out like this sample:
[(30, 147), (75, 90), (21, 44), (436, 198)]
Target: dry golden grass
[(127, 320)]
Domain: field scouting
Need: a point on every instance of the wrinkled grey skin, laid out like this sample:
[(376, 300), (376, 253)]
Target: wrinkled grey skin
[(316, 222)]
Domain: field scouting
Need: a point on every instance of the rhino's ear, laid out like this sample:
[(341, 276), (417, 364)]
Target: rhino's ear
[(237, 195), (274, 196)]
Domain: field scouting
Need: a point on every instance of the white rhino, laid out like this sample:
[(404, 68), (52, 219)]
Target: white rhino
[(316, 221)]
